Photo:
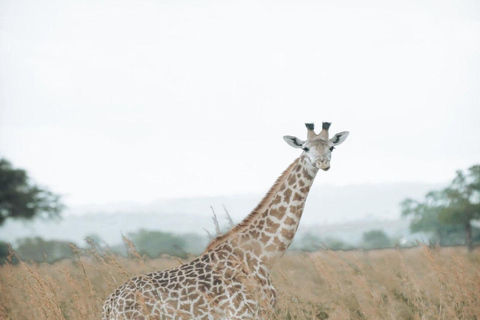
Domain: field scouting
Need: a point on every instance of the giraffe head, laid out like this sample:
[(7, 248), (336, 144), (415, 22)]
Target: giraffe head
[(318, 147)]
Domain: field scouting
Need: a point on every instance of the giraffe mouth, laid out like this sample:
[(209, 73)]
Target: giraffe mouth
[(322, 165)]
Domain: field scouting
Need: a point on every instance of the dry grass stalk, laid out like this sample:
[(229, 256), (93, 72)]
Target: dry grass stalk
[(132, 250)]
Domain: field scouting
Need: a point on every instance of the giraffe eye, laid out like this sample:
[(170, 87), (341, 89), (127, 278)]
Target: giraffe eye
[(331, 149), (305, 149)]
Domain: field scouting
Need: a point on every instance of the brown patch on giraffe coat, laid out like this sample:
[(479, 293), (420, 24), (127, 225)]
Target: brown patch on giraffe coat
[(247, 247), (277, 242), (221, 255), (244, 237), (297, 197), (277, 200), (250, 259), (228, 274), (286, 195), (198, 303), (261, 223), (273, 227), (257, 249), (292, 179), (306, 174), (264, 239), (271, 248), (174, 286), (279, 212), (254, 233), (268, 261), (184, 307), (289, 221), (262, 272), (305, 190), (288, 234), (239, 253), (301, 183)]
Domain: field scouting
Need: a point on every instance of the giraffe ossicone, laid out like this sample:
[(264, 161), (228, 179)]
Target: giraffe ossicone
[(231, 278)]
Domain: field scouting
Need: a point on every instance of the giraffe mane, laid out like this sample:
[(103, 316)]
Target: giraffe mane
[(256, 212)]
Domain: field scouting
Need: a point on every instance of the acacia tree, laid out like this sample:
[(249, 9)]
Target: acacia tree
[(20, 198), (425, 216), (463, 202), (450, 210)]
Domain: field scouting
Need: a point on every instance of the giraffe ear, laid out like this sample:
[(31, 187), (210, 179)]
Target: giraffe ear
[(339, 137), (293, 141)]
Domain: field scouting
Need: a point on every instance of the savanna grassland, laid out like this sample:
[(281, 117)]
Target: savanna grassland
[(418, 283)]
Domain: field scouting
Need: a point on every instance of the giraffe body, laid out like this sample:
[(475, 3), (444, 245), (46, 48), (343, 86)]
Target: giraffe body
[(231, 279), (195, 290)]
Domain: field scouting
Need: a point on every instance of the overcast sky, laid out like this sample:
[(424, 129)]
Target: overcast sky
[(108, 101)]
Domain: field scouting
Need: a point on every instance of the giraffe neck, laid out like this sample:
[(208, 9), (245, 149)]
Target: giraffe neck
[(276, 226), (268, 231)]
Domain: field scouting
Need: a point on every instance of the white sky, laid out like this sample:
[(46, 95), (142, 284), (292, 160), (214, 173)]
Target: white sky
[(107, 101)]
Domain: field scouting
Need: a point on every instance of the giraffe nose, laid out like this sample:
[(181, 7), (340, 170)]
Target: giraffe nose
[(326, 169)]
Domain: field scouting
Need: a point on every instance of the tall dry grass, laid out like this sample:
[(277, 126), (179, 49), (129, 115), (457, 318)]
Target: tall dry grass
[(417, 283)]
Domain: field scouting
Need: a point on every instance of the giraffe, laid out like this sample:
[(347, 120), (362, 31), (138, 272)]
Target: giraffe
[(230, 279)]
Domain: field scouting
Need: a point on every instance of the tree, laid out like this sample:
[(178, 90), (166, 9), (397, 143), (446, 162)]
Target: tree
[(376, 239), (3, 252), (449, 211), (39, 250), (21, 199), (155, 243), (426, 217), (463, 202)]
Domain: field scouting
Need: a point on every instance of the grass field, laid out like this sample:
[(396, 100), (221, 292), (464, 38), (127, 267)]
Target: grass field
[(418, 283)]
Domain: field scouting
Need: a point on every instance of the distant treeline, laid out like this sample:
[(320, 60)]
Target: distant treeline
[(148, 243), (153, 244)]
